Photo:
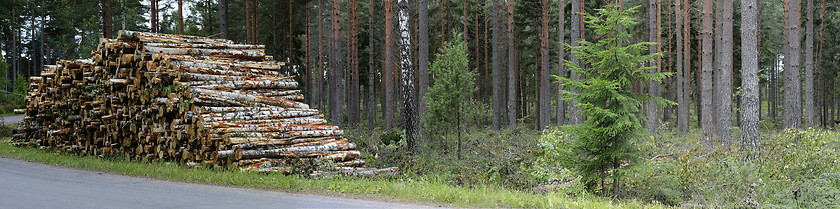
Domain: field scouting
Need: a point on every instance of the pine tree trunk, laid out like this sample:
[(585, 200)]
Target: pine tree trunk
[(409, 110), (353, 107), (809, 66), (389, 66), (707, 94), (682, 108), (222, 6), (653, 35), (180, 17), (544, 102), (576, 118), (106, 18), (336, 69), (561, 70), (750, 106), (307, 57), (792, 86), (498, 112), (723, 81), (371, 105), (423, 56), (511, 100)]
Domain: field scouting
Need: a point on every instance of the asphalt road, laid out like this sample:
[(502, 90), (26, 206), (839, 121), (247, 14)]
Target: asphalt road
[(8, 120), (33, 185)]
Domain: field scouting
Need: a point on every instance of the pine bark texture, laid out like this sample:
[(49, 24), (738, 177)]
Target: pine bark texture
[(652, 116), (561, 70), (423, 56), (498, 89), (750, 106), (409, 109), (809, 66), (687, 64), (389, 66), (222, 6), (371, 105), (511, 100), (792, 87), (336, 69), (353, 107), (544, 115), (682, 102), (707, 94), (723, 75), (106, 18), (575, 117)]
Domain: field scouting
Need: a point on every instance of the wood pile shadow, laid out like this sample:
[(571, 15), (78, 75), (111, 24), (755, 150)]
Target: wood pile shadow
[(195, 100)]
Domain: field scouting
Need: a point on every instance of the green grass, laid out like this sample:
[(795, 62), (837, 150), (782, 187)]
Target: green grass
[(423, 190)]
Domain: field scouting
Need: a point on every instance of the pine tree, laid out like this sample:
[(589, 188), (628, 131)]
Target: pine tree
[(792, 98), (750, 105)]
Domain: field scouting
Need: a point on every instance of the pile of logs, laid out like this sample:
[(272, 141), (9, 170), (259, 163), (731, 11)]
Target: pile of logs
[(196, 100)]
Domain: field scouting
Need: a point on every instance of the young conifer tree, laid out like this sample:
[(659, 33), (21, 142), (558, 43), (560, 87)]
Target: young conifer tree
[(605, 96)]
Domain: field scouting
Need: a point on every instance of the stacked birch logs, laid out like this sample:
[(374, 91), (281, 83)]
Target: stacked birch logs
[(196, 100)]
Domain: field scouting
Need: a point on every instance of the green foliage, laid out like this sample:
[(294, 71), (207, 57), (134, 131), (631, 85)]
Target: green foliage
[(453, 84), (605, 96)]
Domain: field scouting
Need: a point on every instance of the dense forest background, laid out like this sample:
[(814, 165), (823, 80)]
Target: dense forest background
[(513, 47), (737, 70)]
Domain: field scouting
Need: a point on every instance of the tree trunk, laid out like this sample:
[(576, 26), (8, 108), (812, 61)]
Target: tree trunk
[(319, 80), (577, 12), (512, 67), (389, 66), (409, 110), (792, 89), (723, 81), (106, 18), (371, 105), (653, 36), (750, 106), (561, 70), (498, 112), (307, 56), (423, 56), (809, 66), (682, 108), (707, 94), (222, 6), (355, 102), (544, 115), (336, 69), (180, 17)]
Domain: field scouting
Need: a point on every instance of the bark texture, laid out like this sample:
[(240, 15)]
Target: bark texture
[(792, 86), (336, 69), (222, 6), (576, 13), (561, 67), (544, 115), (409, 109), (750, 105), (707, 94), (723, 74), (511, 90), (423, 56), (498, 89), (809, 66), (682, 102)]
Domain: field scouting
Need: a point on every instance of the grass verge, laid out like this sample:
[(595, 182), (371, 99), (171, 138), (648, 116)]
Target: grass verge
[(402, 189)]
